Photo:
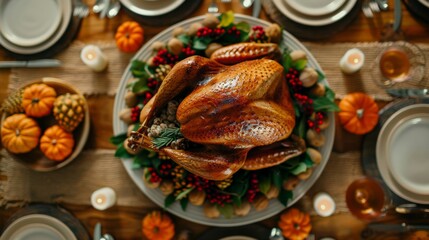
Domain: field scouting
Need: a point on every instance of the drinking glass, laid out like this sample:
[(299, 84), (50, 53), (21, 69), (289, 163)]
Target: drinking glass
[(399, 63), (367, 199)]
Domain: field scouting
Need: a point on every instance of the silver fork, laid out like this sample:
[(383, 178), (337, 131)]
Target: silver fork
[(213, 8), (366, 9), (80, 9)]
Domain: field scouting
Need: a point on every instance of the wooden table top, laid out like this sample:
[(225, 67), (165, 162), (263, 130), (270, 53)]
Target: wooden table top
[(124, 222)]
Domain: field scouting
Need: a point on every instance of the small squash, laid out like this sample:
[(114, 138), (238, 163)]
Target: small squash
[(295, 225), (56, 143), (129, 36), (359, 113), (157, 225), (38, 100), (20, 134)]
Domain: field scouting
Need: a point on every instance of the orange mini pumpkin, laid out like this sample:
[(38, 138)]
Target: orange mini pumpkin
[(56, 143), (158, 226), (359, 113), (129, 36), (38, 100), (20, 134), (295, 225)]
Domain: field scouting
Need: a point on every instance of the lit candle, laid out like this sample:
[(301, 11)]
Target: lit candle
[(352, 61), (103, 198), (323, 204), (94, 58)]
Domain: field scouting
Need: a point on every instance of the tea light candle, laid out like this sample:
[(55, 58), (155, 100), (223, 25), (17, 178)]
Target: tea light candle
[(352, 61), (103, 198), (323, 204), (94, 58)]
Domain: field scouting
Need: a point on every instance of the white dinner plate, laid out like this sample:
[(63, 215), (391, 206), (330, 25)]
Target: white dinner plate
[(66, 10), (37, 227), (424, 2), (298, 17), (315, 7), (402, 153), (29, 23), (195, 213), (151, 8)]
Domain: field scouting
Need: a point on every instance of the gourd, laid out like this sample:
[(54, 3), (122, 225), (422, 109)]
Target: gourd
[(129, 36), (157, 225), (56, 143), (20, 134), (295, 224), (359, 113), (38, 100)]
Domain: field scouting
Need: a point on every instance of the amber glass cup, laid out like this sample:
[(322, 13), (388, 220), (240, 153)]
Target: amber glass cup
[(367, 199), (399, 63)]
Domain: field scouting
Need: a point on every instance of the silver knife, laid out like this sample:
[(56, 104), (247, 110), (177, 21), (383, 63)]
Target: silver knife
[(31, 63), (97, 231), (409, 208), (409, 92), (256, 8), (397, 12)]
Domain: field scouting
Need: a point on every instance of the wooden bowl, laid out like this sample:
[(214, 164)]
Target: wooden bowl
[(35, 159)]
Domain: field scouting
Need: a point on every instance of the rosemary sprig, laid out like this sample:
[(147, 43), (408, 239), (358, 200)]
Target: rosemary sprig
[(166, 137)]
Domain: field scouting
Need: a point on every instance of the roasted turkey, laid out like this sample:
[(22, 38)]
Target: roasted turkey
[(238, 117)]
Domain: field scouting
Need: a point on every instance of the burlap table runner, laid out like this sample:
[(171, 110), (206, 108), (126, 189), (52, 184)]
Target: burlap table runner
[(327, 55), (94, 169), (74, 71)]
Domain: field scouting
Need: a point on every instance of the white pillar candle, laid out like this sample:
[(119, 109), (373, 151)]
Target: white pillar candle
[(94, 58), (352, 61), (103, 198), (323, 204)]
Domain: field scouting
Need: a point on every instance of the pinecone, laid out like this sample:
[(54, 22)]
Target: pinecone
[(224, 183), (13, 103), (162, 71), (69, 111)]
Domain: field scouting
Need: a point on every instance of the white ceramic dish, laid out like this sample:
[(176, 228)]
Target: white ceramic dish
[(402, 152), (424, 2), (151, 8), (29, 23), (37, 226), (194, 213), (298, 17), (315, 7), (66, 10)]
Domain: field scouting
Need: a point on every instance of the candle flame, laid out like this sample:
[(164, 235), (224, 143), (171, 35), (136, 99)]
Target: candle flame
[(100, 199)]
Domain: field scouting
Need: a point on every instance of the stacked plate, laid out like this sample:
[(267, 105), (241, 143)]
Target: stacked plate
[(30, 27), (402, 153), (315, 12), (151, 7)]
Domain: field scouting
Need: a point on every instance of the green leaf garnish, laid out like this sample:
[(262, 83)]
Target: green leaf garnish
[(300, 64), (285, 196), (184, 193), (166, 137), (264, 183), (121, 152), (302, 167), (184, 203), (325, 104), (276, 178), (201, 43), (227, 210), (226, 19), (118, 139), (170, 199)]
